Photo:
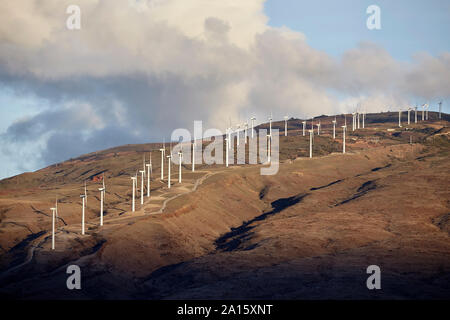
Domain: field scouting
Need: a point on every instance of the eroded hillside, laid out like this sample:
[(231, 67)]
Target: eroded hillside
[(308, 232)]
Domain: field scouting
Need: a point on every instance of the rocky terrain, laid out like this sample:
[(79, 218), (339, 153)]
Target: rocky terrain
[(308, 232)]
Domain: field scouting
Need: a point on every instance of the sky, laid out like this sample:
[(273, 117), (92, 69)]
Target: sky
[(138, 69), (407, 26)]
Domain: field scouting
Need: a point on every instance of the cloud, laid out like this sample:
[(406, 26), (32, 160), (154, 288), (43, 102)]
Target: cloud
[(139, 69)]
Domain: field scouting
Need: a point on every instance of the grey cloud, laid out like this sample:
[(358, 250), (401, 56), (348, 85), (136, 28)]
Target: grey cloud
[(65, 145), (133, 74)]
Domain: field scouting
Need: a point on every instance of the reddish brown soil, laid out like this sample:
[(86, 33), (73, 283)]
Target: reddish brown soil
[(308, 232)]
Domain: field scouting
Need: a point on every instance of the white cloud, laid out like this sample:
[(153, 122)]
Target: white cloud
[(138, 69)]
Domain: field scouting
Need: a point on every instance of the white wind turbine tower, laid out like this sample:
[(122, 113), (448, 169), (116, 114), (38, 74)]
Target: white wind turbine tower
[(163, 152), (357, 114), (143, 169), (304, 125), (344, 127), (82, 214), (149, 168), (142, 186), (229, 135), (104, 187), (85, 192), (169, 159), (230, 132), (440, 109), (53, 227), (423, 112), (364, 117), (415, 114), (102, 192), (245, 131), (253, 124), (311, 133), (193, 156), (56, 206), (143, 164), (285, 125), (227, 141), (334, 128), (134, 182), (270, 124), (400, 118), (354, 121), (180, 158), (409, 115), (269, 151), (318, 128), (238, 133)]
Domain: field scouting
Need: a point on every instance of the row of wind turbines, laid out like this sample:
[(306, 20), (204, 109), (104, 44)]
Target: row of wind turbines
[(425, 117), (358, 122), (146, 172)]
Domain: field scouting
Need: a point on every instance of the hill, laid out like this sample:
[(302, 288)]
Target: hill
[(308, 232)]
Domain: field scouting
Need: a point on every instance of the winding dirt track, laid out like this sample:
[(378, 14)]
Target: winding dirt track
[(198, 182), (32, 248)]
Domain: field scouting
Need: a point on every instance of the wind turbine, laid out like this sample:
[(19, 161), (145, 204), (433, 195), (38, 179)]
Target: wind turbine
[(53, 227), (357, 114), (344, 127), (142, 186), (311, 133), (270, 124), (440, 109), (354, 121), (285, 125), (318, 128), (143, 164), (423, 112), (169, 159), (180, 157), (400, 118), (193, 156), (149, 168), (163, 152), (269, 137), (415, 114), (364, 117), (409, 112), (230, 132), (102, 190), (104, 187), (304, 125), (245, 131), (334, 128), (83, 197), (227, 141), (237, 133), (134, 181), (85, 192), (253, 124), (56, 206)]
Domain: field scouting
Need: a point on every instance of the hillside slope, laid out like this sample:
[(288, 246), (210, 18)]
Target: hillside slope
[(308, 232)]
